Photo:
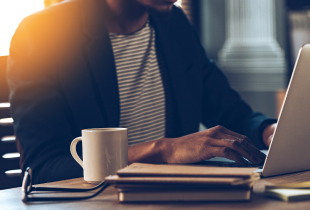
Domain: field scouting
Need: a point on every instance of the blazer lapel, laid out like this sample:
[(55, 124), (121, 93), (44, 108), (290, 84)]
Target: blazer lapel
[(101, 61), (177, 64)]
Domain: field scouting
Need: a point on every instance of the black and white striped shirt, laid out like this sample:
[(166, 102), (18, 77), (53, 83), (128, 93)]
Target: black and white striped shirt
[(142, 98)]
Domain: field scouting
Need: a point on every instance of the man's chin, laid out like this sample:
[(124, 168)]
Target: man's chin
[(160, 13)]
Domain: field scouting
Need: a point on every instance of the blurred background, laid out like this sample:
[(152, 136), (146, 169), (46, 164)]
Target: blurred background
[(255, 43)]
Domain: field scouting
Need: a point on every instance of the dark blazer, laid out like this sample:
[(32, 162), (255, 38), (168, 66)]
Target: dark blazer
[(62, 78)]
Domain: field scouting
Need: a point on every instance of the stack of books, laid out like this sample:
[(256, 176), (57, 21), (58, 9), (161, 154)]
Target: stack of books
[(141, 182)]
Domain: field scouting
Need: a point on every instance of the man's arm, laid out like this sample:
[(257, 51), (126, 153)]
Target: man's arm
[(223, 106), (215, 142), (220, 104)]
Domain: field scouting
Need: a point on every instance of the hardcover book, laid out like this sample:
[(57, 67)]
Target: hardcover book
[(141, 182)]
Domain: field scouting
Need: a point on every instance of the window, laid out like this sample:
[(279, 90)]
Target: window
[(12, 13)]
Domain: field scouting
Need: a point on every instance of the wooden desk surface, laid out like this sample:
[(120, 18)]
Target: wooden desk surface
[(11, 198)]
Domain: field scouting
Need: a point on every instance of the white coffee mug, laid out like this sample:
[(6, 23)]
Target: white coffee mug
[(105, 150)]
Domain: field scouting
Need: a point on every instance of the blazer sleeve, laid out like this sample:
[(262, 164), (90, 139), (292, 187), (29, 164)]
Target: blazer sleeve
[(220, 104), (42, 118), (223, 106)]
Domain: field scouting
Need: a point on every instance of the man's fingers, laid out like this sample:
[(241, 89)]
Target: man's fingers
[(229, 154), (247, 144), (237, 147), (241, 138), (229, 132)]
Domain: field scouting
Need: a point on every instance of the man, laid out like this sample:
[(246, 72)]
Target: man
[(123, 63)]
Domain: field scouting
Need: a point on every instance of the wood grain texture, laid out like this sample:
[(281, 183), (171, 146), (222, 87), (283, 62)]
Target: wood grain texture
[(11, 199)]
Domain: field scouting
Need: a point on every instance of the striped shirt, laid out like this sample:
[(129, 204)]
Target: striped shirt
[(142, 98)]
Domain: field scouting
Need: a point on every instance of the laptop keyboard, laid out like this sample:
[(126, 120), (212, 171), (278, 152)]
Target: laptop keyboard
[(250, 165)]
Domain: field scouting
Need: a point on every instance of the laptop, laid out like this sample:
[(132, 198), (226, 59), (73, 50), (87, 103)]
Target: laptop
[(290, 148)]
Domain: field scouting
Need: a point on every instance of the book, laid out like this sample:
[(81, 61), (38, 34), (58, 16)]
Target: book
[(178, 170), (182, 182), (141, 182), (188, 195)]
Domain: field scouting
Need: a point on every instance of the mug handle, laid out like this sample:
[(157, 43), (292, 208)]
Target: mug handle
[(73, 150)]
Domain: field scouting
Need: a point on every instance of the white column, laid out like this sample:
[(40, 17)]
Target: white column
[(251, 55)]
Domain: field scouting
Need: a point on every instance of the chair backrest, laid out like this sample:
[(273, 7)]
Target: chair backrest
[(10, 173)]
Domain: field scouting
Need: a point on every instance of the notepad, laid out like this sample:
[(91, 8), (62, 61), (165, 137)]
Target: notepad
[(289, 194), (290, 191)]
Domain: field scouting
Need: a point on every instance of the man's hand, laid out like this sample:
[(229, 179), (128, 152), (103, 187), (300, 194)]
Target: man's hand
[(214, 142), (268, 134)]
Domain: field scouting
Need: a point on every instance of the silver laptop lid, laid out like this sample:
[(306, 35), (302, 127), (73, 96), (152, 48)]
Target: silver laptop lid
[(290, 147)]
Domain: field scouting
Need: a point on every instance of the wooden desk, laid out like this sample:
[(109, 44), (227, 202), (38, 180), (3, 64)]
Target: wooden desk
[(11, 198)]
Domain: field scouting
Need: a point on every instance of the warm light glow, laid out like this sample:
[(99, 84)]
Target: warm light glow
[(12, 13)]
